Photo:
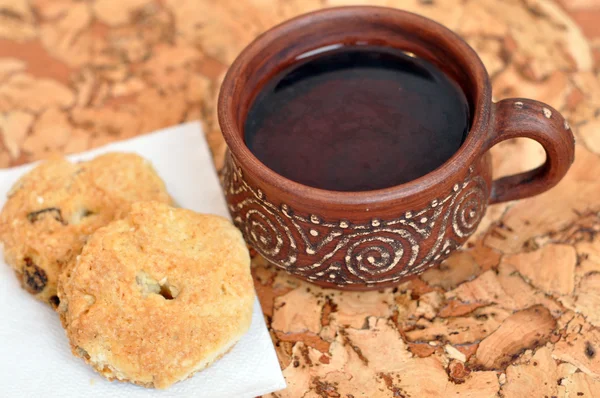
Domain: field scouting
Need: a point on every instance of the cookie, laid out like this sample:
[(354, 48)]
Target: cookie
[(158, 295), (52, 210)]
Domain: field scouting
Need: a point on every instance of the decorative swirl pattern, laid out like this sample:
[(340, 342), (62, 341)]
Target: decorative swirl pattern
[(341, 253), (377, 253), (260, 223), (468, 211), (263, 233)]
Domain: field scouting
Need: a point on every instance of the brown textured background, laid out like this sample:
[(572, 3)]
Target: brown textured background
[(515, 314)]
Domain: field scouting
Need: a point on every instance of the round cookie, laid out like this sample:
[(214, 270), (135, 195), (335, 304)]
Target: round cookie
[(158, 295), (52, 210)]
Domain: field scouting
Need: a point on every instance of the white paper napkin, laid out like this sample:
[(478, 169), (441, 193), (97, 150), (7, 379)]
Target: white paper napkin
[(35, 358)]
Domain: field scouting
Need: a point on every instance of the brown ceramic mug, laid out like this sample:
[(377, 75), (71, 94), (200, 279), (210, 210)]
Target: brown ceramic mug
[(374, 239)]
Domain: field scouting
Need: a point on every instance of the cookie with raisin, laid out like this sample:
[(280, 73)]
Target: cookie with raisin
[(51, 211), (157, 296)]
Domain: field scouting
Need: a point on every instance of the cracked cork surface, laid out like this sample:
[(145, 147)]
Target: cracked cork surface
[(513, 315)]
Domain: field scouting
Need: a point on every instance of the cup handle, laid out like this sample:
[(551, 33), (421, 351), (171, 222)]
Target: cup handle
[(520, 117)]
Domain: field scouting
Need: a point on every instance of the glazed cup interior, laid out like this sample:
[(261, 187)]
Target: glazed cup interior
[(282, 46)]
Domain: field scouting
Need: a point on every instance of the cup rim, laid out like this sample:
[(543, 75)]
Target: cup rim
[(471, 148)]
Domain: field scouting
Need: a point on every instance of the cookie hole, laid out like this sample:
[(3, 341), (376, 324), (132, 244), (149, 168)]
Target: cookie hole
[(81, 214), (54, 301), (150, 285), (87, 213), (168, 291)]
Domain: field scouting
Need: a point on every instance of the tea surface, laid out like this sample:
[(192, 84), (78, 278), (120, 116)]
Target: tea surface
[(357, 119)]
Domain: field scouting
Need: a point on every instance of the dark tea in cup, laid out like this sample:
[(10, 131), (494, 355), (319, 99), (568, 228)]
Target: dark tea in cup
[(357, 118)]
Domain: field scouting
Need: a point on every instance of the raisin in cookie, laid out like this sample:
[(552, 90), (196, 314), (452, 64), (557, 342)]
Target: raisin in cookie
[(158, 295), (52, 210)]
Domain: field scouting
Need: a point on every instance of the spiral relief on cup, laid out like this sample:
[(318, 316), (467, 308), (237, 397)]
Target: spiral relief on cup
[(258, 219), (380, 252), (469, 208), (268, 234), (263, 234), (344, 253)]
